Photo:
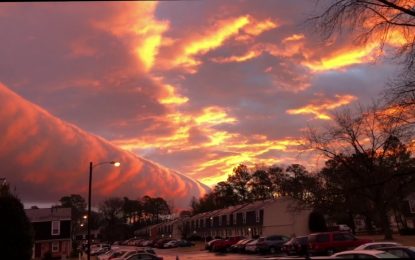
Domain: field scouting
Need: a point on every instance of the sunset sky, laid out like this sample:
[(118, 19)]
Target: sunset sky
[(194, 86)]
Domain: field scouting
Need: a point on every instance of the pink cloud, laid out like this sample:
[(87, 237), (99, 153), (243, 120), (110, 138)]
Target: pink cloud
[(52, 156)]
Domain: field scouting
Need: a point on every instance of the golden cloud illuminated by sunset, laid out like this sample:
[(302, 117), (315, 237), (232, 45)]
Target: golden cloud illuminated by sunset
[(320, 109), (210, 40), (136, 22), (171, 98), (255, 28), (345, 57)]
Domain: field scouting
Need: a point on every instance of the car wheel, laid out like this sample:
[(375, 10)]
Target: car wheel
[(272, 250)]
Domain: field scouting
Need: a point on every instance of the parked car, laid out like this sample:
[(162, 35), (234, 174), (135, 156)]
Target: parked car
[(296, 246), (343, 227), (400, 251), (123, 252), (144, 256), (162, 242), (239, 247), (328, 243), (361, 254), (120, 254), (147, 243), (270, 244), (171, 244), (251, 247), (184, 243), (208, 245), (225, 244), (376, 245), (99, 248)]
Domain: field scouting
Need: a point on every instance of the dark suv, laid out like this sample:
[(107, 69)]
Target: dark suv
[(328, 243)]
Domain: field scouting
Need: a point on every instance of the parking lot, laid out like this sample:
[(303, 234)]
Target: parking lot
[(172, 254), (198, 252)]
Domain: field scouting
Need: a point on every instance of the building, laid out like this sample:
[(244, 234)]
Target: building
[(282, 216), (52, 227)]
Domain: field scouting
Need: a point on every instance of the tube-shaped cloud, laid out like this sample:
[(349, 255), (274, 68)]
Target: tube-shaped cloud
[(46, 158)]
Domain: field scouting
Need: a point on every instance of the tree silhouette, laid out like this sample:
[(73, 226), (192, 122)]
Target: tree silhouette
[(16, 235)]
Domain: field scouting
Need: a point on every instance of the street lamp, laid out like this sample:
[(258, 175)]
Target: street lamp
[(91, 166)]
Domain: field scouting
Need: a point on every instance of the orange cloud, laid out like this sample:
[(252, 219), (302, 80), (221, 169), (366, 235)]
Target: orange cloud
[(245, 151), (256, 28), (213, 116), (171, 98), (345, 57), (182, 124), (289, 46), (135, 23), (319, 110), (294, 37), (210, 40), (244, 57), (41, 151), (360, 54)]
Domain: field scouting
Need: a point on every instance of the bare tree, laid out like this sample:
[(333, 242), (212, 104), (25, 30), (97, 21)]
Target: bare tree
[(368, 147)]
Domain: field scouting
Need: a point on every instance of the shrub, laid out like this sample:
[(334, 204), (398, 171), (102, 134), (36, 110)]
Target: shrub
[(316, 222)]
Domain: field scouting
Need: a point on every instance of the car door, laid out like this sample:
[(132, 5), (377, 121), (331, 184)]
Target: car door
[(343, 240)]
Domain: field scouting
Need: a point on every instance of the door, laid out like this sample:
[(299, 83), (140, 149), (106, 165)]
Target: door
[(37, 249)]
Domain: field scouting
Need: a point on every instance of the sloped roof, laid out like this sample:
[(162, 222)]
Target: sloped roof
[(48, 214)]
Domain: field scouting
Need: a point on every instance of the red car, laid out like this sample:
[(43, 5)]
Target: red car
[(328, 243), (225, 244)]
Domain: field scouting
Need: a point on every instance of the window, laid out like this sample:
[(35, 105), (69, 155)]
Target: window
[(220, 220), (346, 256), (322, 238), (227, 220), (399, 252), (234, 218), (257, 218), (55, 246), (244, 218), (56, 228)]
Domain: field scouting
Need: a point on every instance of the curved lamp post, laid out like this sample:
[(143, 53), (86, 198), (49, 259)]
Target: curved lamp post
[(91, 166)]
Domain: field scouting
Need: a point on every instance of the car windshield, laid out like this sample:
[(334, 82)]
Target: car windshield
[(291, 241), (386, 255)]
